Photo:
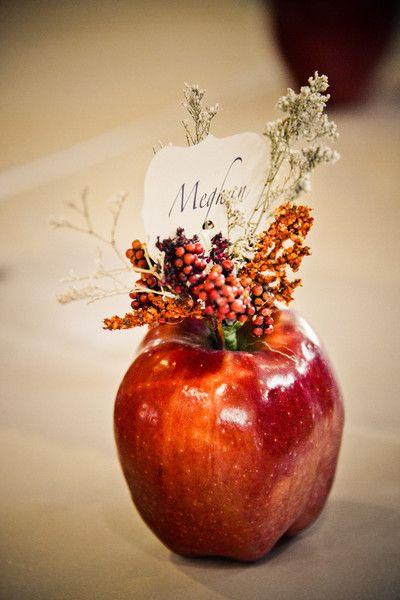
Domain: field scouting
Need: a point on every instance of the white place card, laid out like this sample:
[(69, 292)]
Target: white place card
[(186, 186)]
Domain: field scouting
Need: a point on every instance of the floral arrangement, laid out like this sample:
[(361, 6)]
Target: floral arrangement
[(229, 280)]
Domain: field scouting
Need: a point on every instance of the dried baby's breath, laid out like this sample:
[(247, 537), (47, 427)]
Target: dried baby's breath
[(200, 114), (297, 146)]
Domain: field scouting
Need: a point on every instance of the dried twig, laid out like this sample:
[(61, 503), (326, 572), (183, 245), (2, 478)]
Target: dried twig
[(86, 286), (115, 206)]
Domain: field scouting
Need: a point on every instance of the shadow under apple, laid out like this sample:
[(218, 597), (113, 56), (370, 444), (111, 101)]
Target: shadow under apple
[(352, 551)]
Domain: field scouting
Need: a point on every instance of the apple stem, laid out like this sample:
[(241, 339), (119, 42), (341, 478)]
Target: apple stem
[(217, 333), (224, 335), (230, 335)]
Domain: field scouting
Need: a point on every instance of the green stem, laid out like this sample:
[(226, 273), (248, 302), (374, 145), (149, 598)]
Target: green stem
[(230, 335), (223, 336)]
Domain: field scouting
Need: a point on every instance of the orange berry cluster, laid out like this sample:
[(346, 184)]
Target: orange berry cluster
[(137, 256), (189, 263), (262, 302)]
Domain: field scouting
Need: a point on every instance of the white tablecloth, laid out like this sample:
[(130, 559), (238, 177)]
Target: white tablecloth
[(68, 529)]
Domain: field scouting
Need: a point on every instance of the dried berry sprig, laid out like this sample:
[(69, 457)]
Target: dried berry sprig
[(184, 261), (220, 253), (262, 303), (137, 256), (185, 269)]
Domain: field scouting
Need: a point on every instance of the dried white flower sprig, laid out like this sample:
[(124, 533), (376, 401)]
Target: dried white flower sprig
[(201, 114), (296, 148)]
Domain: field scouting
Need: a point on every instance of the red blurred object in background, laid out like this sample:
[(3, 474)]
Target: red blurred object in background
[(343, 39)]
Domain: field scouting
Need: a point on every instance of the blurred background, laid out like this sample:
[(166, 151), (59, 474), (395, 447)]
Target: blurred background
[(88, 88)]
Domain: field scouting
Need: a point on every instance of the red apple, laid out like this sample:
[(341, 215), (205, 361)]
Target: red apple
[(224, 451)]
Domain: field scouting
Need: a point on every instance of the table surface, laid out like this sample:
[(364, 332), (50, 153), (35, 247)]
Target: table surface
[(68, 528)]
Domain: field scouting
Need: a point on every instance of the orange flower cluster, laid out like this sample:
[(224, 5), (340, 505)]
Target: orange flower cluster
[(281, 247), (159, 310)]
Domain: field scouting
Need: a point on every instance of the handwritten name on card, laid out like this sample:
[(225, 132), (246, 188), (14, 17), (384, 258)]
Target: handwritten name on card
[(187, 186)]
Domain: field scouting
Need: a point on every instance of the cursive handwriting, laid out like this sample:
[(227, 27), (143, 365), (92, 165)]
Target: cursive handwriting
[(195, 200)]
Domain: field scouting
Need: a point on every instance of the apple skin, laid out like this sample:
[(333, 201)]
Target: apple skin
[(224, 452)]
